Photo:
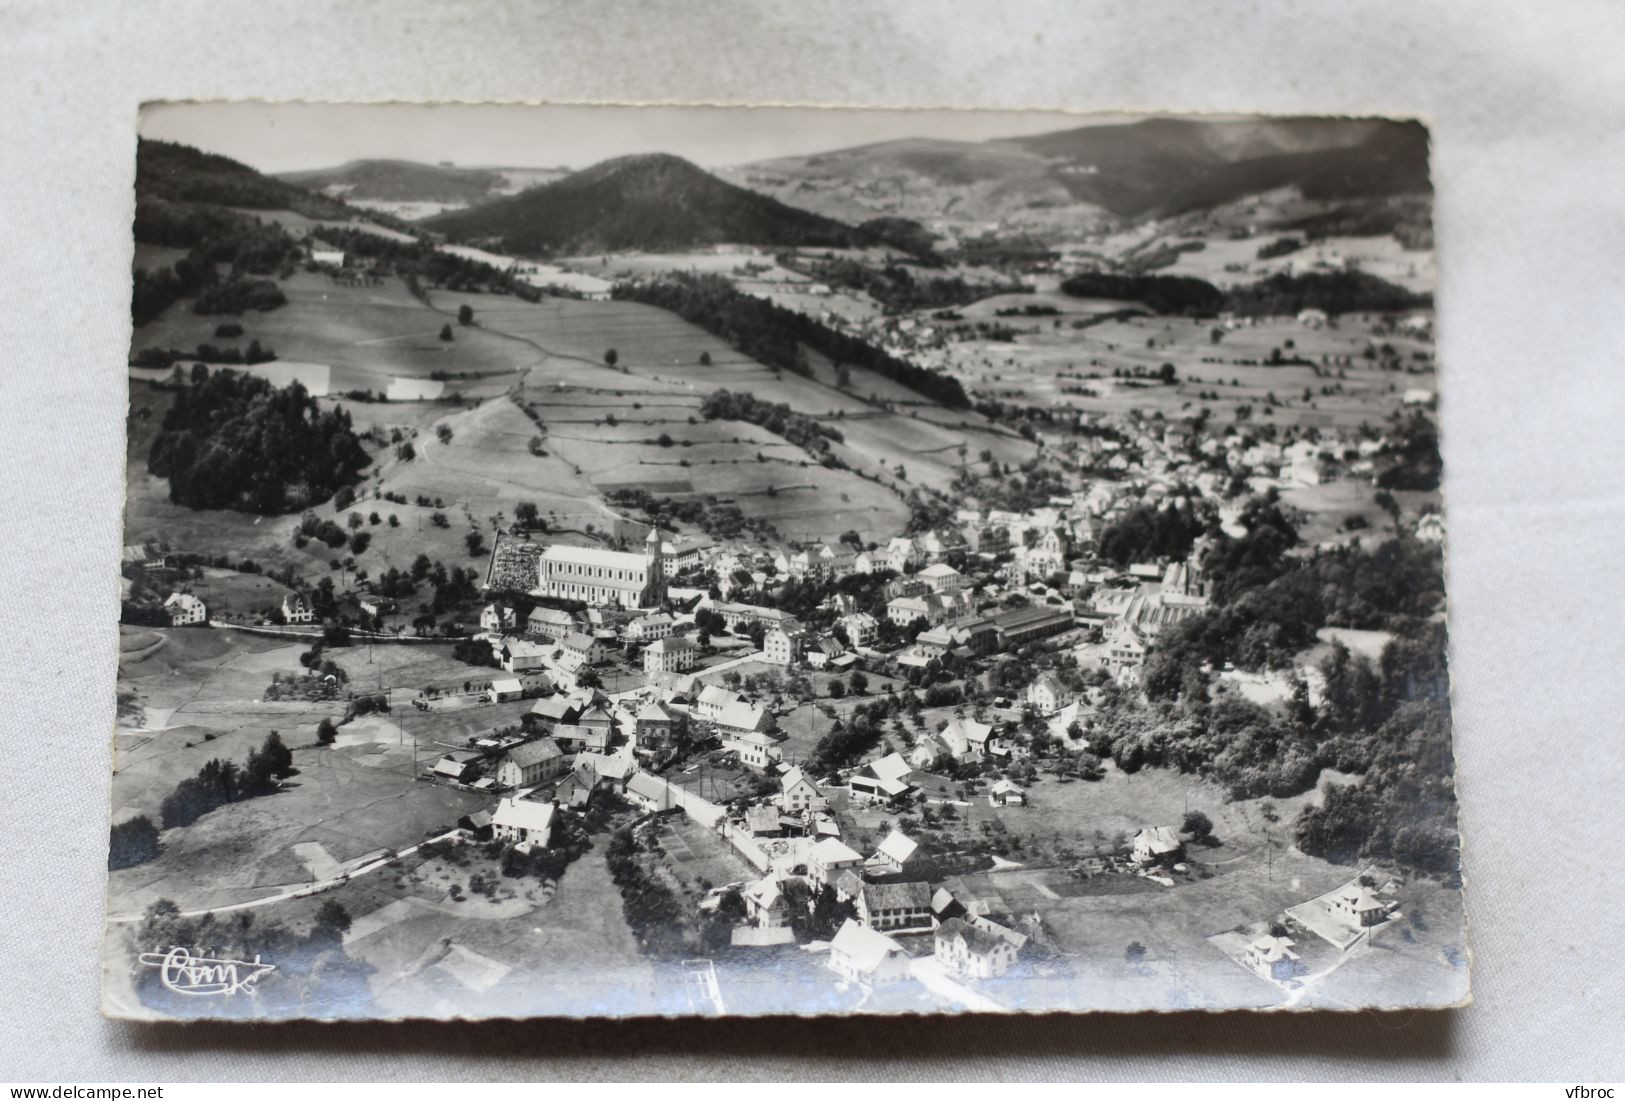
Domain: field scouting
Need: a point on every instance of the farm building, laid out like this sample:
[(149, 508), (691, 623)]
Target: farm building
[(895, 906)]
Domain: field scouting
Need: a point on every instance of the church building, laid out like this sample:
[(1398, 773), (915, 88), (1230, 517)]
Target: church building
[(604, 577)]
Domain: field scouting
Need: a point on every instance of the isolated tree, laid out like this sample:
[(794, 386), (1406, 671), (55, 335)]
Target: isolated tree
[(1167, 374), (476, 543), (705, 359), (406, 452), (443, 433), (843, 376), (326, 732), (465, 314), (1198, 825), (445, 332), (859, 682), (612, 357)]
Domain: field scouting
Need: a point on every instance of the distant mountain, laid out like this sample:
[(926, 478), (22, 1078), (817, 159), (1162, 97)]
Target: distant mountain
[(1160, 167), (402, 181), (1153, 168), (171, 173), (648, 201)]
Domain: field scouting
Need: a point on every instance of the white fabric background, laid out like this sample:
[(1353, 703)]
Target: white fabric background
[(1527, 109)]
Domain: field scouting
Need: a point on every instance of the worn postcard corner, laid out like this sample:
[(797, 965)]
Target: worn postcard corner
[(591, 561)]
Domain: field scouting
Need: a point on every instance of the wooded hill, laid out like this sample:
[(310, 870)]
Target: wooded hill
[(655, 202)]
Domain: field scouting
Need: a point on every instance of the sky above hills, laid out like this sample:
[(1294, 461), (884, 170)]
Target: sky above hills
[(286, 137)]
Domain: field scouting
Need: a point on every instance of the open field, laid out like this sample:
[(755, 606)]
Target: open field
[(1030, 369), (540, 949), (367, 335), (340, 800)]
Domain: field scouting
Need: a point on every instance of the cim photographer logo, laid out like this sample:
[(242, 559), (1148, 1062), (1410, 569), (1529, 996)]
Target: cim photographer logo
[(203, 975)]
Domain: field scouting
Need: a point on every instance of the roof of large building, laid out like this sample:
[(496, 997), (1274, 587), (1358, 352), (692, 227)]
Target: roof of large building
[(671, 644), (832, 850), (914, 895), (533, 753), (594, 556)]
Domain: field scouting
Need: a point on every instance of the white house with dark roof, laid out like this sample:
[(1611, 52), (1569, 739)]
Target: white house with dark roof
[(531, 763), (670, 655)]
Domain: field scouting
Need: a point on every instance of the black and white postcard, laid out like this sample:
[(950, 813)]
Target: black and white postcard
[(619, 561)]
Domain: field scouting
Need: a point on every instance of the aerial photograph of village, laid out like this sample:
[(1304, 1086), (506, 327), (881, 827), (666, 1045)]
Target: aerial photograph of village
[(623, 561)]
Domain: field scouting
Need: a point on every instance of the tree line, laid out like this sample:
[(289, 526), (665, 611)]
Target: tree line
[(806, 432), (1335, 292), (776, 336)]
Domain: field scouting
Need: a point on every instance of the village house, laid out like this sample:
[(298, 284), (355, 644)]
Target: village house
[(764, 904), (1273, 957), (828, 859), (650, 627), (860, 628), (882, 779), (531, 763), (295, 610), (460, 766), (376, 606), (1047, 694), (523, 822), (553, 711), (1157, 845), (654, 726), (942, 578), (756, 748), (184, 609), (895, 907), (1358, 905), (550, 624), (894, 853), (743, 717), (581, 649), (966, 739), (1004, 793), (504, 689), (670, 655), (823, 652), (649, 792), (798, 794), (782, 645), (944, 906), (975, 951), (863, 956), (521, 657), (712, 701), (738, 616), (497, 618)]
